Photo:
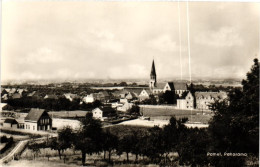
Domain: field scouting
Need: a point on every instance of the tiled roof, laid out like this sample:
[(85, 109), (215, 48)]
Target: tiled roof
[(160, 85), (180, 86), (51, 97), (216, 95), (13, 90), (148, 91), (34, 114), (136, 91)]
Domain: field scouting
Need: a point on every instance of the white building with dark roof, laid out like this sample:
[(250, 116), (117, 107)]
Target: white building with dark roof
[(37, 119)]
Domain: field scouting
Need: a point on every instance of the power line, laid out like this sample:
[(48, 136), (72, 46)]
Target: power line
[(179, 13)]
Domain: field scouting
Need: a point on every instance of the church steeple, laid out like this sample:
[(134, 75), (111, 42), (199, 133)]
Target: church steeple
[(152, 83), (153, 72)]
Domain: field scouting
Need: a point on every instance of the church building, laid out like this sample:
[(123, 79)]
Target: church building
[(156, 88)]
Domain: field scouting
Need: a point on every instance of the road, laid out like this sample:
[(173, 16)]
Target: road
[(11, 154)]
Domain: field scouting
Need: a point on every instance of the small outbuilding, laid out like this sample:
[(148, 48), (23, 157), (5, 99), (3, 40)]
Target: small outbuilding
[(10, 123)]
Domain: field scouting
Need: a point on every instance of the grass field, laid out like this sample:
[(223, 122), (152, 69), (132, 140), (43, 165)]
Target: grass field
[(72, 160), (166, 114)]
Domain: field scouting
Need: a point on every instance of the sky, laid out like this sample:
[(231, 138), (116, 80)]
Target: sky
[(73, 40)]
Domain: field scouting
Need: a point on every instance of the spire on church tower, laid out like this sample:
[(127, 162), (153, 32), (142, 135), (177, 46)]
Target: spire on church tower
[(152, 83)]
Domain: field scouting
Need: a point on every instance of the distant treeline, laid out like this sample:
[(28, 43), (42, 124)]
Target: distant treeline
[(49, 104)]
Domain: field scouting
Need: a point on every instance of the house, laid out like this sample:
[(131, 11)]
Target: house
[(116, 105), (90, 98), (70, 96), (12, 91), (125, 107), (123, 94), (116, 94), (2, 105), (5, 97), (20, 123), (10, 123), (131, 96), (159, 88), (54, 97), (103, 113), (145, 94), (37, 119), (4, 91), (16, 96), (22, 92), (204, 99), (34, 94), (178, 88), (104, 95), (186, 103)]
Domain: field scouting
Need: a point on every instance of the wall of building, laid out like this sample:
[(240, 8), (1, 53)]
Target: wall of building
[(30, 126)]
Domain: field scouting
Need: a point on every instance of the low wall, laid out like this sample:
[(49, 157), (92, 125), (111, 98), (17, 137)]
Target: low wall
[(159, 106), (59, 123)]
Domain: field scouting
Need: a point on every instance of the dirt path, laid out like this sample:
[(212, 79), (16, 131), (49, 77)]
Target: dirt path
[(17, 148)]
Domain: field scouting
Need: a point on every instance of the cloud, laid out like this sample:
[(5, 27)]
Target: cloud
[(128, 71), (120, 39), (163, 43), (106, 40), (224, 37), (42, 55)]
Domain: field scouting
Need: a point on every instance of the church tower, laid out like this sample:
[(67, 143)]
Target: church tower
[(152, 83)]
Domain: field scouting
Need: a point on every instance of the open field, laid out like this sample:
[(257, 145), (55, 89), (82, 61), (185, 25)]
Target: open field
[(139, 122), (151, 112), (166, 114), (72, 159)]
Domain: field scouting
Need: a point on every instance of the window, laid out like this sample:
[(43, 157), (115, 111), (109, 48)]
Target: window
[(33, 127)]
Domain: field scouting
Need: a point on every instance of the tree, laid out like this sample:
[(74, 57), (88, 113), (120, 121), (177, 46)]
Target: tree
[(125, 145), (123, 84), (135, 110), (65, 139), (169, 97), (34, 146), (193, 146), (110, 142), (154, 144), (239, 116), (89, 139), (55, 145), (173, 134)]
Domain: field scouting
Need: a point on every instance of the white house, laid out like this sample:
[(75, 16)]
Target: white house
[(187, 103), (145, 93), (89, 98), (37, 119), (103, 112), (125, 107)]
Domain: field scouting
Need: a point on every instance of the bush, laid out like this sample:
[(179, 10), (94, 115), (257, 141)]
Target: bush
[(4, 139), (8, 145)]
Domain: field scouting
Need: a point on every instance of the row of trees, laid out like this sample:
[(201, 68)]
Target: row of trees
[(168, 97), (153, 144), (50, 104)]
